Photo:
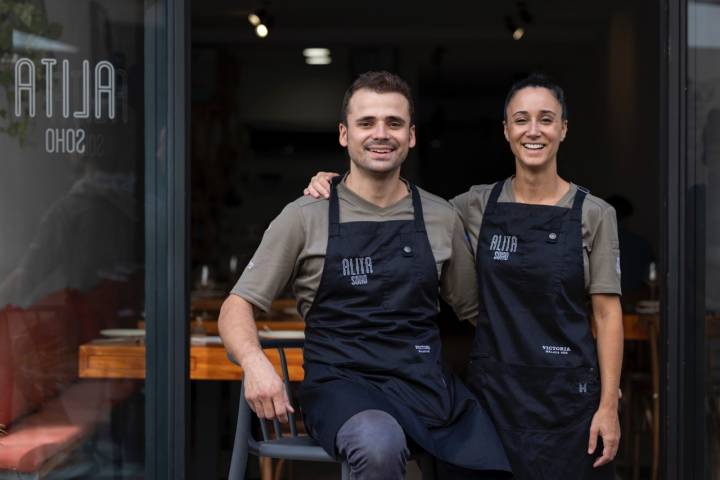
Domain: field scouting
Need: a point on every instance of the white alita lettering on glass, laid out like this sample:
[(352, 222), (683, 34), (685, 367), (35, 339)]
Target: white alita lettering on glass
[(103, 88)]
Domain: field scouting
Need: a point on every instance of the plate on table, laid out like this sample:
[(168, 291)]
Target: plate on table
[(205, 340), (122, 332), (282, 334), (647, 307)]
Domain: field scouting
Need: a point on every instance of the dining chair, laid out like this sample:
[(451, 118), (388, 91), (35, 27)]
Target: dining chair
[(279, 444)]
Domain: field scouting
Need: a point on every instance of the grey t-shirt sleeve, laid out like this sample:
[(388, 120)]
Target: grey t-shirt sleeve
[(460, 203), (604, 255), (275, 262), (458, 283), (471, 207)]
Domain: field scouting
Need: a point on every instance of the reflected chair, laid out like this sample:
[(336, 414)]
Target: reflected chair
[(278, 444)]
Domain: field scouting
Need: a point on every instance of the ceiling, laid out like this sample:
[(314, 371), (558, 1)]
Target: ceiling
[(398, 22)]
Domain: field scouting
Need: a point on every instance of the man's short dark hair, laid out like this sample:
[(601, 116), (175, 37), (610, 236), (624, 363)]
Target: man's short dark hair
[(378, 82), (540, 81)]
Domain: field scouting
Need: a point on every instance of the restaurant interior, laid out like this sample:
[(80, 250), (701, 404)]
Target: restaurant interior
[(267, 82)]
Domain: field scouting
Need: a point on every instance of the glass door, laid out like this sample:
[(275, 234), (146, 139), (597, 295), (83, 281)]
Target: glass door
[(92, 238), (703, 221)]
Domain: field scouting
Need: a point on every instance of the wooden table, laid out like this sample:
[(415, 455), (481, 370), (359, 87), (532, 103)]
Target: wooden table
[(287, 322), (637, 327), (126, 359), (117, 358)]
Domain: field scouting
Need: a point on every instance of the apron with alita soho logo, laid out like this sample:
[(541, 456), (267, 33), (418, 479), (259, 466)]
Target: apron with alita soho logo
[(371, 342), (534, 358)]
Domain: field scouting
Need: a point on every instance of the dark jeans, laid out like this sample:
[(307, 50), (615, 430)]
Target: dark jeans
[(373, 443), (375, 447)]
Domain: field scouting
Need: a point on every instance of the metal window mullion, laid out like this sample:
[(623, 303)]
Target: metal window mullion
[(166, 240), (674, 331)]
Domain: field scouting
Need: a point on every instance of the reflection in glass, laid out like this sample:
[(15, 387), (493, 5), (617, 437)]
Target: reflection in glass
[(71, 137)]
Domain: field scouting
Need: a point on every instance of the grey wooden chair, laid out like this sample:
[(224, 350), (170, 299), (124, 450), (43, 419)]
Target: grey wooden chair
[(279, 445), (293, 446)]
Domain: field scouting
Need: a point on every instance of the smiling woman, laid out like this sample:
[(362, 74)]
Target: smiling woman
[(535, 125), (534, 353)]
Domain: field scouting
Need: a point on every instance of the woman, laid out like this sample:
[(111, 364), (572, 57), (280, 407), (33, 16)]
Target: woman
[(544, 249)]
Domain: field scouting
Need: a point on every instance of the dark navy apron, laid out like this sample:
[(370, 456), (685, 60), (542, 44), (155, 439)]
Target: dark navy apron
[(371, 342), (534, 358)]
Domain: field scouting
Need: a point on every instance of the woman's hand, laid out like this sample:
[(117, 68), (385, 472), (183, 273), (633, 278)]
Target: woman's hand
[(319, 186), (606, 425)]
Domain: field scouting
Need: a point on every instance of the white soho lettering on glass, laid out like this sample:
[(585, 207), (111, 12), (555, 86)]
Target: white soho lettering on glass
[(502, 246), (358, 269)]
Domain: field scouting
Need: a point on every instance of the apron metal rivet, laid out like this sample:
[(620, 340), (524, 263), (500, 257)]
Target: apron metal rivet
[(407, 249), (552, 236)]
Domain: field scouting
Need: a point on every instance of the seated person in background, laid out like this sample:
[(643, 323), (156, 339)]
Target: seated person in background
[(367, 266)]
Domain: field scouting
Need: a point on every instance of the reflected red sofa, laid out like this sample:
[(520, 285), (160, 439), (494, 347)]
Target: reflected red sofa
[(45, 410)]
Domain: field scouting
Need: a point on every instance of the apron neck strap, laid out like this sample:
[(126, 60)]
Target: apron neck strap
[(334, 226), (494, 195), (334, 214), (578, 202), (417, 208)]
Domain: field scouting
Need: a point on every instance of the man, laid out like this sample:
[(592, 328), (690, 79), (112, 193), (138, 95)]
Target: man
[(367, 267)]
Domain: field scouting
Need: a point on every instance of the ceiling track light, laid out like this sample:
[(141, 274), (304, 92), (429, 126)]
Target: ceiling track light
[(262, 30), (517, 23), (316, 52), (254, 19), (261, 21), (317, 56), (517, 31), (318, 60)]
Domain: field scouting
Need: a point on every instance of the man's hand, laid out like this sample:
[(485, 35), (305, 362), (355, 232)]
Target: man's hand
[(264, 389), (319, 186), (605, 423)]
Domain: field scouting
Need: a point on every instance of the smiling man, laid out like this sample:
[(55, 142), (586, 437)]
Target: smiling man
[(367, 267)]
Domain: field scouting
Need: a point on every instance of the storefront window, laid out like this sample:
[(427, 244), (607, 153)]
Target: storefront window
[(704, 189), (72, 159)]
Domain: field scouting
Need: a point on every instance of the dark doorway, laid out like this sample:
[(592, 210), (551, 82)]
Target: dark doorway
[(264, 120)]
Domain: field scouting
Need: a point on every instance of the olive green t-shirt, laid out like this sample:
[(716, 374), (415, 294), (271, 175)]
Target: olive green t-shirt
[(292, 250), (601, 249)]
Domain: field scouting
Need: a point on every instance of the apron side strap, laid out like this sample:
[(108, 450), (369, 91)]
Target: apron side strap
[(417, 208), (334, 213)]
